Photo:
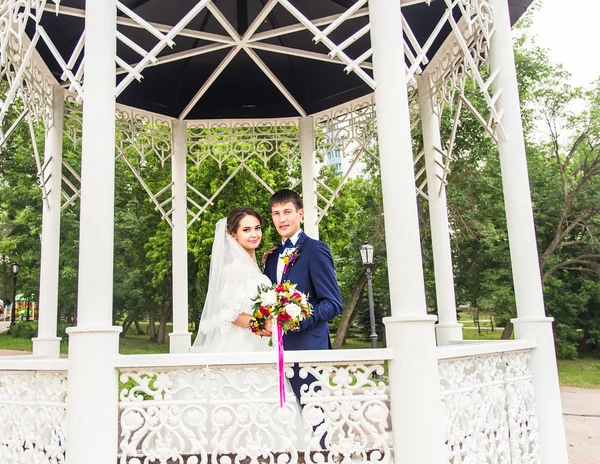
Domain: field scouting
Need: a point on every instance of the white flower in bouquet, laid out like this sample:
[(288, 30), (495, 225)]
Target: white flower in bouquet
[(269, 298), (293, 310)]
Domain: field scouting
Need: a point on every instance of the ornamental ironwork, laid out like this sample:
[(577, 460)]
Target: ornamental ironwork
[(231, 413), (238, 142), (489, 409), (32, 417)]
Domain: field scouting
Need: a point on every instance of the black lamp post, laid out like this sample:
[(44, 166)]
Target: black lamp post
[(15, 273), (366, 253)]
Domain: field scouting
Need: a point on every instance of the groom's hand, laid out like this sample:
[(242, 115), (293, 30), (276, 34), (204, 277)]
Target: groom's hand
[(266, 255)]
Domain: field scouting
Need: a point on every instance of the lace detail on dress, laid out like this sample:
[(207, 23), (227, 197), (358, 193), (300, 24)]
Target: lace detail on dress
[(230, 314), (239, 287)]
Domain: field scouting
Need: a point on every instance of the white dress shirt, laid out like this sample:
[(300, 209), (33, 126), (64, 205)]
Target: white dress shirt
[(280, 265)]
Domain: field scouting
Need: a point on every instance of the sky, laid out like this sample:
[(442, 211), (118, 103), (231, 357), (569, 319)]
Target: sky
[(570, 30)]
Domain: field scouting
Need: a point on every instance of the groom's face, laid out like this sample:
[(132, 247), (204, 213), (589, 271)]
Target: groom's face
[(286, 219)]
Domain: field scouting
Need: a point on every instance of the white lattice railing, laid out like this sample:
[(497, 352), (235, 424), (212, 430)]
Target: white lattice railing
[(489, 403), (32, 410), (189, 408), (200, 408)]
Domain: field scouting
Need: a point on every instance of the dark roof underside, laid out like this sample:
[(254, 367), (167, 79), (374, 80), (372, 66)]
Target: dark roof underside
[(242, 90)]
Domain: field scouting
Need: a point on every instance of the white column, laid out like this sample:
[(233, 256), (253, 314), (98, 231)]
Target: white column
[(47, 343), (448, 328), (414, 380), (181, 338), (309, 172), (531, 322), (91, 424)]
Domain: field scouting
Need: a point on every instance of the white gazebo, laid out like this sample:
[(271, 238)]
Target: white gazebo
[(187, 79)]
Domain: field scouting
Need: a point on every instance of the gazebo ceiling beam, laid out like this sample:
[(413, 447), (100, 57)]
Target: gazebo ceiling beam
[(335, 49), (301, 53), (125, 21), (222, 20), (252, 54), (216, 73), (183, 55), (241, 43), (167, 40), (300, 27)]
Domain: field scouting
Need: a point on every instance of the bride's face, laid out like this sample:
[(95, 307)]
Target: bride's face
[(248, 233)]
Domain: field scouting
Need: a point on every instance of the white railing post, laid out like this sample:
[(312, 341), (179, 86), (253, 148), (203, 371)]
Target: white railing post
[(309, 186), (181, 338), (531, 322), (92, 400), (47, 343), (448, 328), (413, 372)]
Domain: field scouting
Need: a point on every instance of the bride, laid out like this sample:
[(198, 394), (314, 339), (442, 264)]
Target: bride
[(233, 280), (244, 413)]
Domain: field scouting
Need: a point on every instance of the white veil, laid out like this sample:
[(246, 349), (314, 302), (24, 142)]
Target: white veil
[(228, 263)]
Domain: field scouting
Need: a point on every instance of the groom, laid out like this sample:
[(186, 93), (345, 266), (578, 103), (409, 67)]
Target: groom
[(313, 273)]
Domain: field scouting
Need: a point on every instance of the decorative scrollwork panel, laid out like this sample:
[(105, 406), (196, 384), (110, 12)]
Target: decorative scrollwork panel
[(231, 413), (144, 143), (347, 133), (32, 417), (236, 146), (489, 409), (22, 68)]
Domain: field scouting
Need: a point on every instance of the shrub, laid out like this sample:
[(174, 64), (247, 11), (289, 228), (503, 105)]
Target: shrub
[(24, 329)]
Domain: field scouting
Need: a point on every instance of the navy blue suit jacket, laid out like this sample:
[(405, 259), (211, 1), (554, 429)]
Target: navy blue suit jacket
[(314, 275)]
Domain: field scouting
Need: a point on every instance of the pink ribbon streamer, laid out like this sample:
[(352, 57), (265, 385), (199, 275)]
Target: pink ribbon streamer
[(280, 365)]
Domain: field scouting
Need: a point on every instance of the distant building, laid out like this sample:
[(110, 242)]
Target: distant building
[(335, 159)]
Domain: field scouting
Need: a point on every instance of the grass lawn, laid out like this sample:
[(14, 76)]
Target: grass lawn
[(486, 334), (582, 372)]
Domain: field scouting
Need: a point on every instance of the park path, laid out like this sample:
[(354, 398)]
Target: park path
[(581, 409)]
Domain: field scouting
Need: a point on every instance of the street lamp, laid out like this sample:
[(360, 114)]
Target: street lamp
[(15, 273), (366, 253)]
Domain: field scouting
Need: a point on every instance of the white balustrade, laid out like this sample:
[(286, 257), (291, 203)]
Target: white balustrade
[(32, 410), (489, 403), (190, 406)]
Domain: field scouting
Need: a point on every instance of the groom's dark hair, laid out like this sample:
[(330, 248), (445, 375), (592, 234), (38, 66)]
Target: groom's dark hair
[(284, 196)]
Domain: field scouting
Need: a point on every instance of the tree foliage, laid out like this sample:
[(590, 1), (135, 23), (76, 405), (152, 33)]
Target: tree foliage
[(562, 131)]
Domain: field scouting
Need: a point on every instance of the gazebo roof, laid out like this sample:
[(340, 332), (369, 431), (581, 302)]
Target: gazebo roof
[(207, 73)]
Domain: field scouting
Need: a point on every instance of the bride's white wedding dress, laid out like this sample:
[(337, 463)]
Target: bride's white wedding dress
[(243, 414)]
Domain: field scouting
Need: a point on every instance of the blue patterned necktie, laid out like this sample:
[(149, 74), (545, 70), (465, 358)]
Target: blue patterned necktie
[(282, 246)]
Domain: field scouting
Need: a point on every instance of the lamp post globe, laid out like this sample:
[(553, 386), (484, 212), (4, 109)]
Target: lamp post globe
[(366, 254)]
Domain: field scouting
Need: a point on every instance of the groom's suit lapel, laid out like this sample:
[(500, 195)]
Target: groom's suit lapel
[(299, 244), (271, 266)]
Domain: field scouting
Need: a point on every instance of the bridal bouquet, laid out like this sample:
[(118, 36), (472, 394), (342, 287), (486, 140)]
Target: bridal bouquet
[(281, 302), (287, 307)]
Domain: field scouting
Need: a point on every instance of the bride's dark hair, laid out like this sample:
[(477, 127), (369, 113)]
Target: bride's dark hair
[(237, 214)]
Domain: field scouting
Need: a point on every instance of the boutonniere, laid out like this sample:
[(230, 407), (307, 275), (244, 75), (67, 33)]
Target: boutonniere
[(289, 256)]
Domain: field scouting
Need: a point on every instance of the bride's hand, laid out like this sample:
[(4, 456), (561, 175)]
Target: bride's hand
[(266, 255), (268, 329)]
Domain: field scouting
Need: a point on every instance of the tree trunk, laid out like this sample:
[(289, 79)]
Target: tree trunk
[(151, 323), (161, 336), (508, 331), (126, 324), (138, 327), (344, 327)]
